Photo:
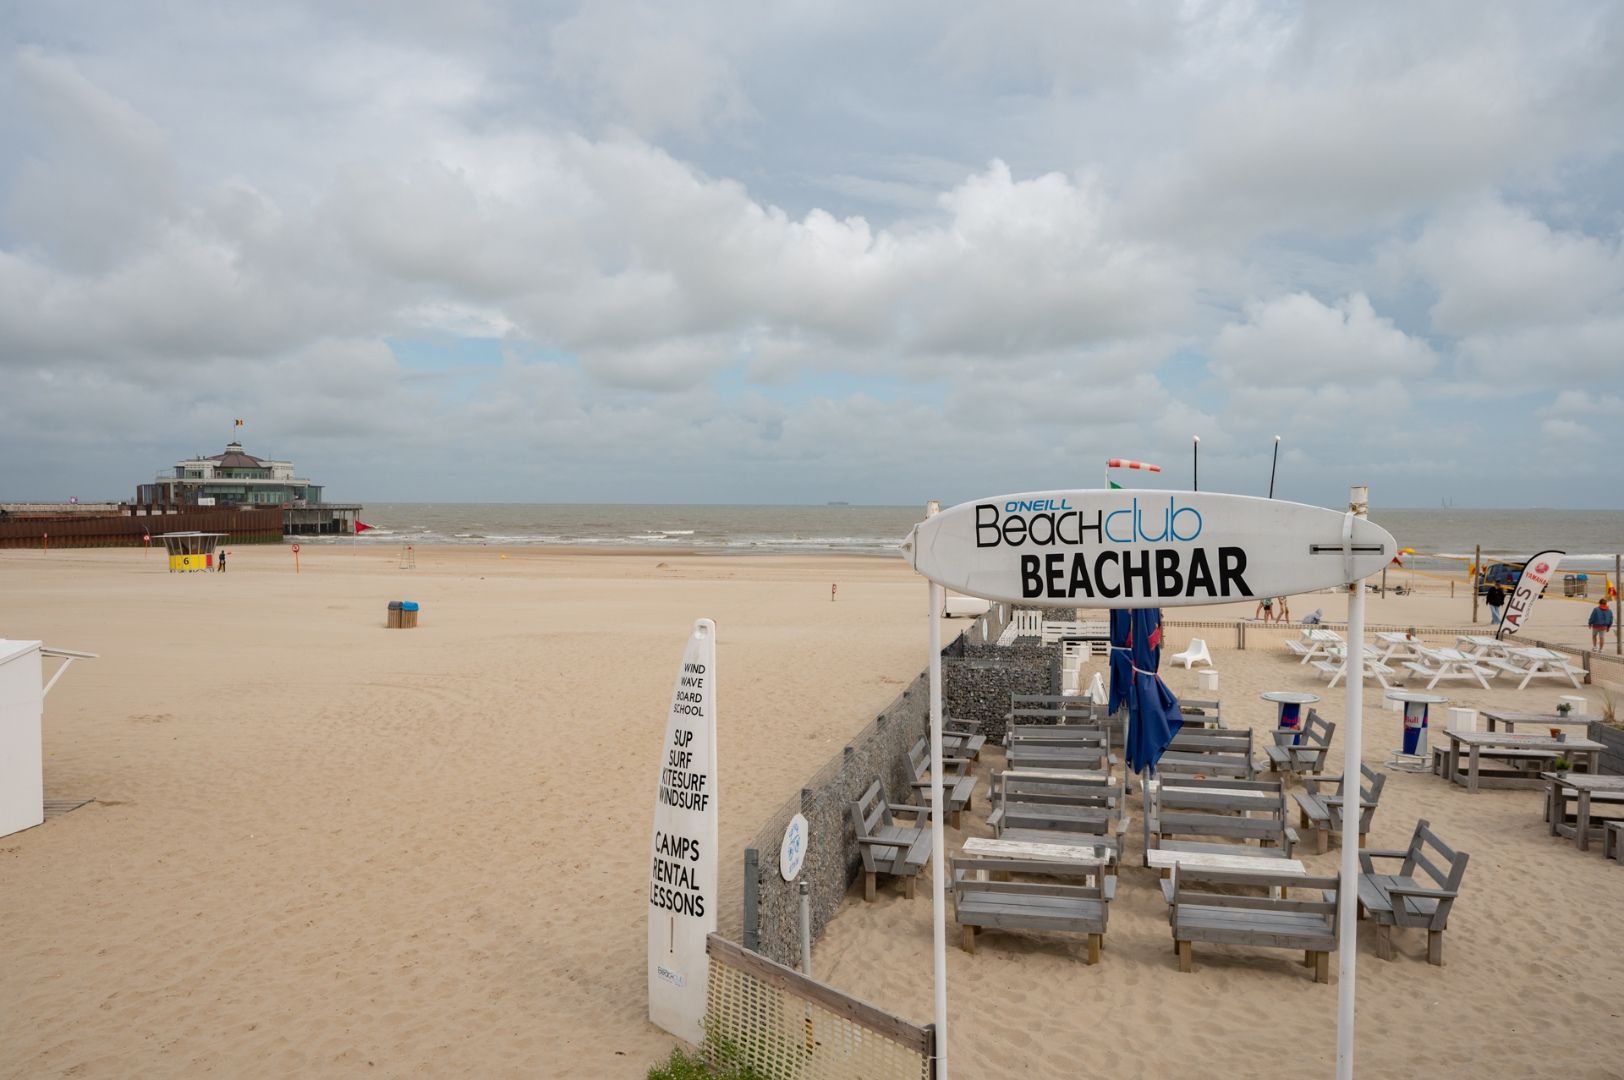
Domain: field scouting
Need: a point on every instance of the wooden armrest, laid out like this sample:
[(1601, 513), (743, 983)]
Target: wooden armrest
[(1425, 894), (1385, 853), (908, 808), (881, 842)]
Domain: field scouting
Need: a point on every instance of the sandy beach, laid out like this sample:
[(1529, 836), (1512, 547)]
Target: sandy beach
[(320, 847)]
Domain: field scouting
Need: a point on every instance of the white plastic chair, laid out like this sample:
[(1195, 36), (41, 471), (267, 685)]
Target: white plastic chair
[(1197, 652)]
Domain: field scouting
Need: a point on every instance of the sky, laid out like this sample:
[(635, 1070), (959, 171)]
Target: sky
[(799, 252)]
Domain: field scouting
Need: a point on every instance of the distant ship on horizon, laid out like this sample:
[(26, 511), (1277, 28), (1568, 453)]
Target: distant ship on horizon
[(837, 504)]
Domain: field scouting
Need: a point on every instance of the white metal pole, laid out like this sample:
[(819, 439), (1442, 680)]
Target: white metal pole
[(938, 855), (1348, 886)]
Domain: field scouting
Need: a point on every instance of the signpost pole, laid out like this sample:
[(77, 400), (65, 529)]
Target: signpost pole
[(1347, 887), (938, 854), (1476, 573)]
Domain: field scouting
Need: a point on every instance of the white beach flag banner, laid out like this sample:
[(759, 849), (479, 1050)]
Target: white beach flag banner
[(1128, 548), (1536, 574), (683, 860)]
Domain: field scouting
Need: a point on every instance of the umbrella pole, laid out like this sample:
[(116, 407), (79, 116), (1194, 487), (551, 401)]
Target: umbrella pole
[(1348, 886), (938, 877)]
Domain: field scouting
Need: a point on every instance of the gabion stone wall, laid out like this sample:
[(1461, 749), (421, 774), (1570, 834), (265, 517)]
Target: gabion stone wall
[(977, 686), (833, 860)]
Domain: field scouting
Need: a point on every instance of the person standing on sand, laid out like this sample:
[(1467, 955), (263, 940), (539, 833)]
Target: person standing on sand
[(1284, 614), (1496, 597), (1601, 621), (1265, 607)]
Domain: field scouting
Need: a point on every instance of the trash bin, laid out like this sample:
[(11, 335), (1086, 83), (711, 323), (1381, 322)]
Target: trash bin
[(394, 615), (1570, 587), (408, 614)]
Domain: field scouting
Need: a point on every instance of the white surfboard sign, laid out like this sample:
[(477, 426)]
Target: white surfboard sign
[(682, 874), (1129, 548)]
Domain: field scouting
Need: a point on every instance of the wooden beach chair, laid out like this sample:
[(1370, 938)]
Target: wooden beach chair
[(1419, 895), (1320, 807), (1301, 920), (1307, 755), (960, 739), (888, 848), (958, 784)]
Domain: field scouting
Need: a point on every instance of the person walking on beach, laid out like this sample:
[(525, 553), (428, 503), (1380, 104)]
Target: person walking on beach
[(222, 562), (1496, 597), (1601, 621), (1284, 614)]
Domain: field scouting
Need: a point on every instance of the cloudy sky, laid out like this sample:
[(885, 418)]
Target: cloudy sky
[(796, 252)]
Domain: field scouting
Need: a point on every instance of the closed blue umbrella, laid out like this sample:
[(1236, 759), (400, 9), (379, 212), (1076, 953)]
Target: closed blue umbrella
[(1153, 711), (1121, 661)]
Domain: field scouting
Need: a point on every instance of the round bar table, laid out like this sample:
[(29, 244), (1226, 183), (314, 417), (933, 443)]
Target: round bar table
[(1288, 724), (1416, 703)]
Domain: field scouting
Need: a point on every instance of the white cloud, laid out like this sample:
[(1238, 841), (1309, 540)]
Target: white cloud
[(1297, 341), (752, 238)]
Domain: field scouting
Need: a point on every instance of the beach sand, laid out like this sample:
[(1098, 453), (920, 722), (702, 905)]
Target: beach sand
[(320, 847)]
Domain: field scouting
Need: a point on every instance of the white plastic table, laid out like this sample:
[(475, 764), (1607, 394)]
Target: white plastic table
[(1453, 664), (1541, 664)]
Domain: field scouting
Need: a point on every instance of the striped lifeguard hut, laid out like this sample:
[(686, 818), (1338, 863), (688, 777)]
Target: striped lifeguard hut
[(190, 551)]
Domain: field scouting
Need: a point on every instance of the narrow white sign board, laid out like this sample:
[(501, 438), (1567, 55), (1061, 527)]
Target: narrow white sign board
[(1142, 549), (22, 780), (1536, 575), (682, 867)]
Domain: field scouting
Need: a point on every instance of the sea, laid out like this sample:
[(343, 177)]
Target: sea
[(1441, 538)]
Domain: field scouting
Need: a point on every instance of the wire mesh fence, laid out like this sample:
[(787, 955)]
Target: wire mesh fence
[(777, 1022)]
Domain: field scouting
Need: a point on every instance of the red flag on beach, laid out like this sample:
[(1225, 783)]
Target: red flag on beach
[(361, 526)]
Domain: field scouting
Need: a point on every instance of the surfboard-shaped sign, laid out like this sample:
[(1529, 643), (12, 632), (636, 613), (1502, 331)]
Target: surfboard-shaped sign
[(1536, 575), (682, 870), (1136, 549)]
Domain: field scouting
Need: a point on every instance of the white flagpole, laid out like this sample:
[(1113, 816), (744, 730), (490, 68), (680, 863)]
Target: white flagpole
[(1348, 886), (938, 855)]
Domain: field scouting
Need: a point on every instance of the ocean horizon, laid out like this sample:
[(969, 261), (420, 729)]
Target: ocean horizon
[(1441, 537)]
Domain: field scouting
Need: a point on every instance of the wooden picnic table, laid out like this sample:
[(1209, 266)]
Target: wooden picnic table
[(1480, 744), (1586, 789), (1512, 719), (1164, 860), (1082, 856)]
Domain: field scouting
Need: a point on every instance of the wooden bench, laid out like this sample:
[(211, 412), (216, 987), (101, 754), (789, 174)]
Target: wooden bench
[(1298, 647), (1064, 709), (1307, 754), (1612, 841), (1210, 751), (888, 848), (1198, 713), (1043, 746), (1419, 895), (1048, 907), (1298, 922), (1050, 802), (958, 785), (1220, 808), (1321, 810)]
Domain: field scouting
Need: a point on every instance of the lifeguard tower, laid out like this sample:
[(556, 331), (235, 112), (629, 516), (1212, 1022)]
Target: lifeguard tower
[(189, 551)]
